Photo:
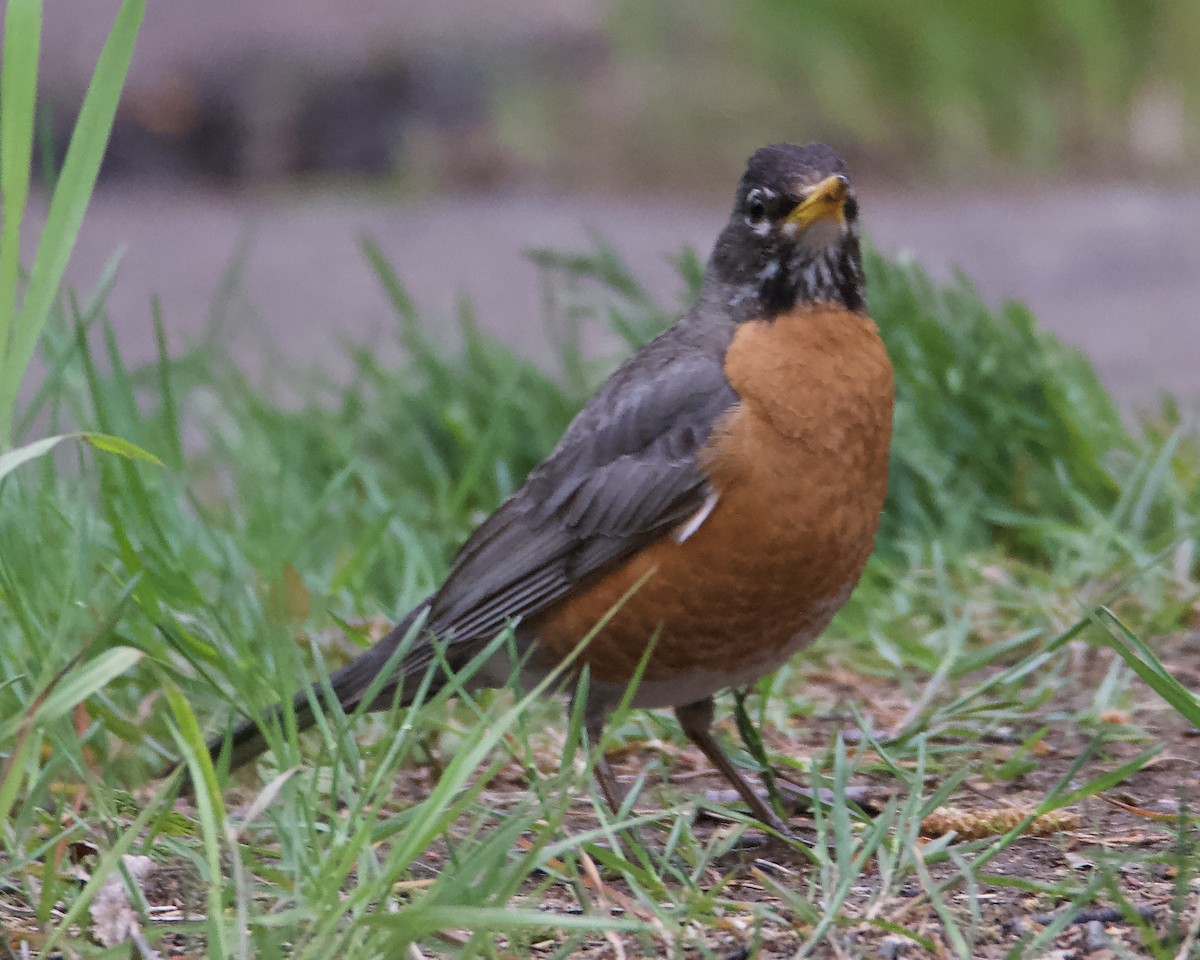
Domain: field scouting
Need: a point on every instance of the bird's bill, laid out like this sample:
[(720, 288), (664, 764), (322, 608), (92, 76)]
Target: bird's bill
[(825, 201)]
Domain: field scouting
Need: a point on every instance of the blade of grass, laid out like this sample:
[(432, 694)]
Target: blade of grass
[(10, 460), (210, 810), (18, 102), (76, 686), (1134, 651), (422, 921), (65, 351), (89, 139)]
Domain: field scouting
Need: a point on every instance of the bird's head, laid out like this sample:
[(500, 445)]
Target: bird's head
[(792, 237)]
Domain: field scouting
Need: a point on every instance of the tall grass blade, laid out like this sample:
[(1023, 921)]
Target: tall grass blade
[(71, 196), (18, 103), (12, 459)]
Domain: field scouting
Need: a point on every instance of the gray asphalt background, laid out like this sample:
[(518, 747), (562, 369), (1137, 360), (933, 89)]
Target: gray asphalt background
[(1114, 270)]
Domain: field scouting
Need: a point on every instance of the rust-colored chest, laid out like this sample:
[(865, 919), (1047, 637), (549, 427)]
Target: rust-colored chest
[(800, 469)]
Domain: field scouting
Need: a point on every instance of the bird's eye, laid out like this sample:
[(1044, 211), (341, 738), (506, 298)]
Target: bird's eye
[(756, 205), (850, 208)]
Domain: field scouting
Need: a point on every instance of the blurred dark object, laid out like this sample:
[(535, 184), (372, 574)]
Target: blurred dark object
[(429, 120), (185, 128), (265, 121), (352, 124), (227, 91), (182, 129)]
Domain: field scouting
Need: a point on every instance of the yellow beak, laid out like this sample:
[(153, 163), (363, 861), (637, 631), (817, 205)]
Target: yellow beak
[(825, 201)]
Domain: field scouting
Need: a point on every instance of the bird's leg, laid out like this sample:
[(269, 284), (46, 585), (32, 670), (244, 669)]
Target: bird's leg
[(594, 715), (594, 724), (696, 720)]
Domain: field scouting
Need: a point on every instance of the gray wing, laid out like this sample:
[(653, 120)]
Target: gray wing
[(624, 473)]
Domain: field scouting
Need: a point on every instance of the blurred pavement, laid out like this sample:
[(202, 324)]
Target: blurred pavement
[(1114, 270)]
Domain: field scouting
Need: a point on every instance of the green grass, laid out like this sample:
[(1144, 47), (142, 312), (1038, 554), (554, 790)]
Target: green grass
[(931, 85), (140, 603), (1039, 82), (22, 320)]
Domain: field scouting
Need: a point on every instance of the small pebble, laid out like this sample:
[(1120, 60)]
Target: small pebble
[(1094, 937)]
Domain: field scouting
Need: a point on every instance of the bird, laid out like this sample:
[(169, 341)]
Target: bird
[(705, 514)]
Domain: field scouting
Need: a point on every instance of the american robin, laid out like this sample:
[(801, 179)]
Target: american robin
[(718, 496)]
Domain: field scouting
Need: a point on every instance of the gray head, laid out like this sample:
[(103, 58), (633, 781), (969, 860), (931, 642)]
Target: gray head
[(792, 237)]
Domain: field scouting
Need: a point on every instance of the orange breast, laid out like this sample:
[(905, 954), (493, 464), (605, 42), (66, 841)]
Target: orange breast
[(800, 466)]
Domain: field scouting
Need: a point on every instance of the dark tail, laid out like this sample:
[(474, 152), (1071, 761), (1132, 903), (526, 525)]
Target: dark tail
[(348, 685)]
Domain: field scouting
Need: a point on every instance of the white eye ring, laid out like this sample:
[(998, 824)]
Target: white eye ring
[(756, 208)]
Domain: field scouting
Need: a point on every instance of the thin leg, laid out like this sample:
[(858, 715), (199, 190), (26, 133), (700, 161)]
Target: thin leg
[(594, 715), (604, 775), (696, 720)]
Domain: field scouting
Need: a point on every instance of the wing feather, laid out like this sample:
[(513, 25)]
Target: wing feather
[(625, 472)]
